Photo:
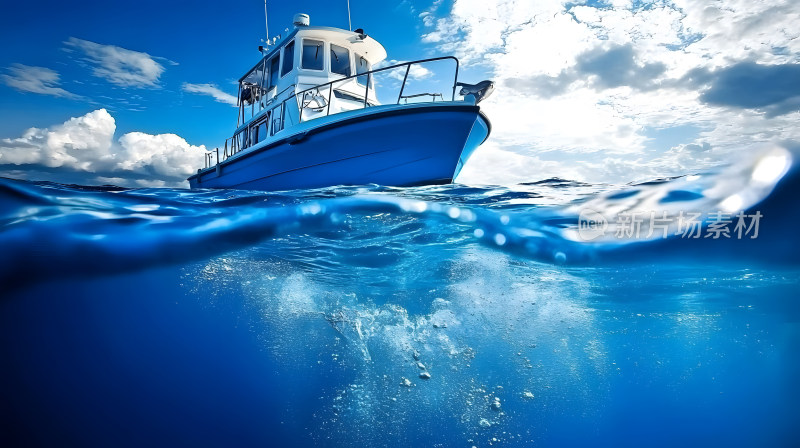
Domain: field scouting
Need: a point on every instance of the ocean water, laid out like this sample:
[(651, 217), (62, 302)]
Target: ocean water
[(550, 314)]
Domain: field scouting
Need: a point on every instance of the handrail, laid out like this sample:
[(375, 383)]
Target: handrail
[(234, 144), (371, 72), (433, 95), (262, 108)]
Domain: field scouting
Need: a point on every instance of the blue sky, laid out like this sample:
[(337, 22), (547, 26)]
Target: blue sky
[(194, 42), (133, 92)]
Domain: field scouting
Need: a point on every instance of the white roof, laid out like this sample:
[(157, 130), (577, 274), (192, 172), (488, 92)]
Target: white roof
[(368, 47)]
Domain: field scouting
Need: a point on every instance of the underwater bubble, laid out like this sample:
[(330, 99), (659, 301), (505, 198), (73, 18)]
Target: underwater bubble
[(478, 233), (467, 216), (732, 203), (496, 404), (313, 208), (414, 206), (454, 212), (771, 167), (143, 207), (560, 257), (500, 239)]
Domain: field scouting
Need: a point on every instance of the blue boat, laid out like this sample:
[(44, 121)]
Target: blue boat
[(309, 116)]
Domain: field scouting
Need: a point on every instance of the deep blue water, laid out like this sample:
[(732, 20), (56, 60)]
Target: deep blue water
[(231, 318)]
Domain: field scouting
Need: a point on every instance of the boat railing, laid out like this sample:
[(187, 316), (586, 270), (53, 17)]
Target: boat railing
[(317, 90), (230, 148), (263, 103), (233, 145)]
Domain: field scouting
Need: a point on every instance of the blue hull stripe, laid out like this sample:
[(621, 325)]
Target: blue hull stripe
[(431, 146)]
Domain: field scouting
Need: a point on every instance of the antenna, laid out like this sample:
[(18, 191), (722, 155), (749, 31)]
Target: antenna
[(266, 23), (349, 23)]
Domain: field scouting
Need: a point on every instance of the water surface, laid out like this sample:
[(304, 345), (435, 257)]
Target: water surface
[(375, 316)]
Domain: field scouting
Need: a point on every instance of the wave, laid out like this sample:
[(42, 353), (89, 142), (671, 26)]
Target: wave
[(50, 231)]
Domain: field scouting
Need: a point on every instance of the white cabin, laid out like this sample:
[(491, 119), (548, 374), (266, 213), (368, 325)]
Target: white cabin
[(309, 56)]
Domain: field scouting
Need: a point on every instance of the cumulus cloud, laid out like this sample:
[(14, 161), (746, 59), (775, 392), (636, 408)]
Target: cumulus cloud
[(40, 80), (80, 143), (603, 67), (212, 91), (83, 150), (617, 67), (168, 156), (581, 88), (117, 65), (747, 85)]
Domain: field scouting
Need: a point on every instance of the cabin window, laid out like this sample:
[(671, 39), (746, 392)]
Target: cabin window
[(245, 139), (340, 60), (312, 54), (277, 119), (236, 143), (288, 59), (261, 74), (261, 130), (362, 66), (274, 66)]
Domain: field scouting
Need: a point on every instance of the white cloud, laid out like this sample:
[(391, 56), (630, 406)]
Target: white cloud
[(84, 148), (416, 72), (41, 80), (574, 122), (737, 30), (580, 88), (120, 66), (167, 155), (491, 165), (80, 143), (427, 18), (210, 90)]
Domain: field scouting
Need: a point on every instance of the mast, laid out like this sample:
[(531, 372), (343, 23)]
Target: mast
[(266, 23), (349, 23)]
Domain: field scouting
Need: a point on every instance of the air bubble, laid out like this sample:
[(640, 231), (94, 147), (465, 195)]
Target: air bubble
[(454, 212)]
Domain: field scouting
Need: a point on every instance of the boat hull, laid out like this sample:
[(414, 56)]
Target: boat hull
[(400, 146)]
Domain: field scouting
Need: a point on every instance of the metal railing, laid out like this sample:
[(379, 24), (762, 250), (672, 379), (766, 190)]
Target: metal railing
[(318, 88), (228, 151), (235, 146), (241, 118)]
